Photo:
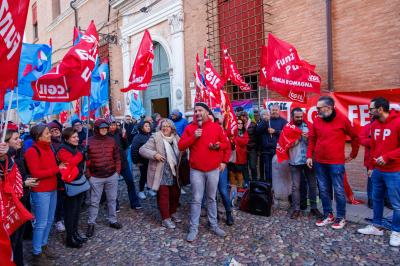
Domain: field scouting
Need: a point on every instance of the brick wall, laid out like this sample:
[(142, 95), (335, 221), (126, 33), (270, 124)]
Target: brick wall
[(195, 40)]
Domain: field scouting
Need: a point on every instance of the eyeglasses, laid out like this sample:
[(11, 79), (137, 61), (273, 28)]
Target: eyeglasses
[(319, 108), (166, 126)]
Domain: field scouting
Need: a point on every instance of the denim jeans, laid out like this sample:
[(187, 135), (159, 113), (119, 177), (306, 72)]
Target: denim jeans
[(223, 189), (296, 171), (128, 177), (392, 182), (329, 175), (43, 208), (203, 183), (267, 158)]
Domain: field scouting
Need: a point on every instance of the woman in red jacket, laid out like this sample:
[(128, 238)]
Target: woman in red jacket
[(42, 165), (70, 153), (238, 166)]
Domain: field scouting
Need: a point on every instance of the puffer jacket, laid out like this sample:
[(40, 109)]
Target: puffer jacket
[(251, 130), (180, 124), (103, 153)]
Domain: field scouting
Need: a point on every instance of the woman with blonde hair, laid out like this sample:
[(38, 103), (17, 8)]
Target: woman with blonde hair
[(162, 175)]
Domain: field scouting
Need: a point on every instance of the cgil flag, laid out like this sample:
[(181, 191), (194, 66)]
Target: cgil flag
[(214, 82), (12, 26), (287, 74), (142, 69), (263, 66), (71, 78), (232, 73)]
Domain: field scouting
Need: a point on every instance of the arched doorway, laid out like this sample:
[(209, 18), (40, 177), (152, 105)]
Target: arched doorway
[(157, 96)]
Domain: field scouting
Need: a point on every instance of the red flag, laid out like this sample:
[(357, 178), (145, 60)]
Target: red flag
[(201, 95), (12, 26), (70, 79), (263, 66), (289, 135), (142, 69), (13, 214), (5, 247), (231, 72), (213, 80), (63, 117), (228, 115), (287, 74)]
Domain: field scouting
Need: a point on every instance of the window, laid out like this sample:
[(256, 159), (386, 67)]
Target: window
[(56, 8), (35, 22)]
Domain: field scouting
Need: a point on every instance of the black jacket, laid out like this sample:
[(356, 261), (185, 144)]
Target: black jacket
[(123, 144), (269, 141), (138, 141)]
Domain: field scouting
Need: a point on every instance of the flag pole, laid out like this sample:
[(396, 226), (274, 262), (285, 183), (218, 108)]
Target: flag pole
[(88, 119), (259, 98), (3, 137), (17, 108)]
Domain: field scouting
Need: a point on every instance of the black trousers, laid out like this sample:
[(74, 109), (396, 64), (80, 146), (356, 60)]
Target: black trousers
[(72, 209), (143, 175), (17, 245)]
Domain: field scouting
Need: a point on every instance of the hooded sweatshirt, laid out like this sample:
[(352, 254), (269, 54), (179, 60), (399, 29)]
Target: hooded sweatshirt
[(138, 141), (180, 123), (327, 139), (203, 158), (385, 142)]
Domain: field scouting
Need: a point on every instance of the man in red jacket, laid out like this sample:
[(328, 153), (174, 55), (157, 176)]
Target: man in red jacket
[(385, 162), (326, 144), (205, 162)]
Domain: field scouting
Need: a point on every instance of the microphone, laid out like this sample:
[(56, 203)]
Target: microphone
[(200, 122)]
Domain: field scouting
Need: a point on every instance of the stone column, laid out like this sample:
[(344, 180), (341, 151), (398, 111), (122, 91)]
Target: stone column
[(177, 73)]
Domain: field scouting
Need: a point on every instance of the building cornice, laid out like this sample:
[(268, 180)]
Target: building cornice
[(133, 27)]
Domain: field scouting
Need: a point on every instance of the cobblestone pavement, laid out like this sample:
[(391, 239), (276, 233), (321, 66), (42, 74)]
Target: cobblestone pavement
[(253, 240)]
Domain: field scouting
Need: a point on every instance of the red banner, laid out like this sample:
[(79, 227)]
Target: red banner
[(70, 79), (287, 74), (263, 66), (200, 88), (142, 70), (12, 25), (213, 80), (228, 115), (231, 72), (353, 105)]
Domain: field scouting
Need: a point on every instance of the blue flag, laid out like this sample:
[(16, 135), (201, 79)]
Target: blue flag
[(35, 61), (136, 106), (99, 89)]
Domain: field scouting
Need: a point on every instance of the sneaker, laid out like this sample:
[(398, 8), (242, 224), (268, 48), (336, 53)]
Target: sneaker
[(371, 230), (168, 223), (152, 193), (394, 239), (218, 231), (60, 226), (183, 192), (141, 195), (137, 207), (325, 220), (192, 235), (40, 259), (176, 218), (339, 223)]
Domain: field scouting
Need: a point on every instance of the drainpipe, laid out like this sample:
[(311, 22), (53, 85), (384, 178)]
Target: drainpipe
[(329, 43), (71, 4)]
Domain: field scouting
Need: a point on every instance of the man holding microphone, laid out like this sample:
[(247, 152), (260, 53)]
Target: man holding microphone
[(205, 164)]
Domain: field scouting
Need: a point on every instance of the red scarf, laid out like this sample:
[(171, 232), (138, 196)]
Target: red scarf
[(289, 135)]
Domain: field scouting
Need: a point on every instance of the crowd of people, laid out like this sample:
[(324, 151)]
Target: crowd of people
[(64, 167)]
